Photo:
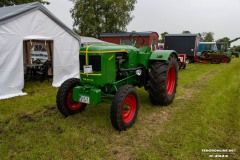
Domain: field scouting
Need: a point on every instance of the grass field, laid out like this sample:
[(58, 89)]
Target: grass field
[(204, 115)]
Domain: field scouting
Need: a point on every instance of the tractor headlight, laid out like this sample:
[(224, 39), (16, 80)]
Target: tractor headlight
[(138, 72)]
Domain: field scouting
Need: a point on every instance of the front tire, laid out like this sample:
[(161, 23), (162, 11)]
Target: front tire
[(65, 103), (124, 108), (183, 66), (163, 81)]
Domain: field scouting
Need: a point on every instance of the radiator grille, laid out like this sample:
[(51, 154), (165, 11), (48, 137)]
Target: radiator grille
[(95, 61)]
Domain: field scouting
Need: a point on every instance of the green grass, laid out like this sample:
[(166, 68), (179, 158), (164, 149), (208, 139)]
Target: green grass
[(204, 115)]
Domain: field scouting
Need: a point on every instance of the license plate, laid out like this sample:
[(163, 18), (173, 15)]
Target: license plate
[(84, 99), (87, 69)]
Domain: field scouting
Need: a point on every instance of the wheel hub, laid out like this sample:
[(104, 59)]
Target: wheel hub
[(126, 107), (129, 108), (71, 104)]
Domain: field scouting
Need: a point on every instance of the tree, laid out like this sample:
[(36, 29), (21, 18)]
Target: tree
[(162, 40), (17, 2), (206, 36), (209, 37), (225, 43), (201, 35), (224, 39), (91, 18), (186, 32)]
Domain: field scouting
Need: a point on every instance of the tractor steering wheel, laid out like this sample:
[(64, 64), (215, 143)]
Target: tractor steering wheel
[(135, 41)]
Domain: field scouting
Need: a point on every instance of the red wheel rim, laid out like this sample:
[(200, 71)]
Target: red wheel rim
[(129, 108), (215, 60), (224, 60), (71, 104), (171, 79)]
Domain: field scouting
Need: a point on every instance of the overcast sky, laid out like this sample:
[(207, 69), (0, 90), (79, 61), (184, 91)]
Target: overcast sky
[(174, 16)]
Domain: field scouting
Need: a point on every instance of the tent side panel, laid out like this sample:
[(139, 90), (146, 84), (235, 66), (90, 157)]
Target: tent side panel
[(11, 64)]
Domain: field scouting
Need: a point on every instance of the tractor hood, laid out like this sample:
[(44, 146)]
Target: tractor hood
[(107, 48)]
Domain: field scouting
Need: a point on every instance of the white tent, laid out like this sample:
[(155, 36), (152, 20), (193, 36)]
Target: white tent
[(85, 41), (31, 23)]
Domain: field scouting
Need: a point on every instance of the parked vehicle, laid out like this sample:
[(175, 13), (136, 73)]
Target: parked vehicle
[(236, 54), (183, 44), (215, 52), (207, 46), (225, 48), (110, 73), (213, 57), (182, 62)]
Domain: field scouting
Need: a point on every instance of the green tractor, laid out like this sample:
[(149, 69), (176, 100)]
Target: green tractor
[(110, 74)]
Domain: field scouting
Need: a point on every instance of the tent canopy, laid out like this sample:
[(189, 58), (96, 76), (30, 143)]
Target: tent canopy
[(10, 13), (85, 41)]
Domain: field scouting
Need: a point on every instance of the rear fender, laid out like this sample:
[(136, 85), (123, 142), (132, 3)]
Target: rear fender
[(162, 55)]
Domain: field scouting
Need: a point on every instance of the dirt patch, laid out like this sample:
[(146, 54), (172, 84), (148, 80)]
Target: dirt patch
[(50, 111), (3, 125), (188, 94), (26, 118), (157, 118), (122, 153), (37, 115), (59, 130), (32, 93), (50, 107), (152, 123)]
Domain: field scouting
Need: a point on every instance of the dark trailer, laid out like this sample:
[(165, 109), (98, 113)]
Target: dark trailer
[(183, 44)]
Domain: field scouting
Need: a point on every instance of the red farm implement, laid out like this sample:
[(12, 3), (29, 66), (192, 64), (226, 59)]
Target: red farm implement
[(214, 58), (182, 62)]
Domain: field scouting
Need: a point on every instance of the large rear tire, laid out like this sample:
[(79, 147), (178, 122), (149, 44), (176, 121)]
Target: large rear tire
[(225, 59), (163, 81), (65, 103), (124, 108)]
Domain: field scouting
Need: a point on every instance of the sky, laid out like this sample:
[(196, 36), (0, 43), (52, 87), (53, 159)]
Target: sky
[(174, 16)]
